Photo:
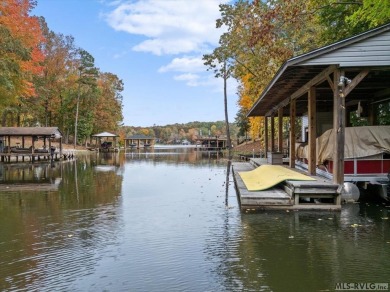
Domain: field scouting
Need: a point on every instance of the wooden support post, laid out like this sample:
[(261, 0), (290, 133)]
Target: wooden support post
[(312, 155), (280, 130), (265, 137), (372, 118), (272, 134), (292, 133), (338, 127)]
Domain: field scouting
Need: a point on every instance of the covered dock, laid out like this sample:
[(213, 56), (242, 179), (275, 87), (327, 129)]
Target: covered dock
[(211, 143), (326, 86), (32, 143), (106, 142), (139, 141)]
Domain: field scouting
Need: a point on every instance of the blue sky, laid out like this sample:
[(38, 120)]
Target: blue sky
[(155, 47)]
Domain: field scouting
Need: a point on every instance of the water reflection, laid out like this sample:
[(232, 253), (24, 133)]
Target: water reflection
[(187, 155), (170, 221), (24, 177), (304, 251), (46, 234)]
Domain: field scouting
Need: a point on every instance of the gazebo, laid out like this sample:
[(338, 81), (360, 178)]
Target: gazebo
[(106, 142)]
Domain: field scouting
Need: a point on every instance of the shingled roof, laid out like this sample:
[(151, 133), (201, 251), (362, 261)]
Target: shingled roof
[(31, 131)]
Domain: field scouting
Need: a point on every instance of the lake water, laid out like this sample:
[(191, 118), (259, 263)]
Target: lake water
[(163, 221)]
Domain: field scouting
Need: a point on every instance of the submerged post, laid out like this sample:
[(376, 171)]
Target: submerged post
[(338, 126)]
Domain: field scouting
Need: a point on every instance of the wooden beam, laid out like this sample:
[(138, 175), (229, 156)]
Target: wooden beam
[(316, 80), (372, 117), (265, 136), (280, 130), (338, 128), (292, 133), (320, 77), (330, 82), (312, 115), (355, 82)]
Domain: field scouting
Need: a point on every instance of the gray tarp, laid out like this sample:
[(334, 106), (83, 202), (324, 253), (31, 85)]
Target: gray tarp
[(359, 142)]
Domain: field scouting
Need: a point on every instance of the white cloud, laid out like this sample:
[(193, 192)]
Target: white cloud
[(189, 78), (185, 64), (208, 80), (170, 26)]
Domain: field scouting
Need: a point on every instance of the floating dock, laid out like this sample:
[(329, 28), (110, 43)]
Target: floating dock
[(319, 194)]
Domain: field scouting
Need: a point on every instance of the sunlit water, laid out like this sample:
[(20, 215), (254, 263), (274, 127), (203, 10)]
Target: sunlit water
[(142, 221)]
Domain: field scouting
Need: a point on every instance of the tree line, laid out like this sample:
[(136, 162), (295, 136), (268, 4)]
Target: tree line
[(47, 80), (177, 133)]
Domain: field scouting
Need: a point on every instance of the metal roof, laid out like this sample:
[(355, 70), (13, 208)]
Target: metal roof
[(297, 71), (30, 131), (105, 134)]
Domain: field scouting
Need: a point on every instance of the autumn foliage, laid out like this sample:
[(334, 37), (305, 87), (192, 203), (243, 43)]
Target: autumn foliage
[(261, 35), (41, 81), (25, 29)]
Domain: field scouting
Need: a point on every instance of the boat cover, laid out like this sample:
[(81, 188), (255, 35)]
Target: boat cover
[(360, 142), (267, 176)]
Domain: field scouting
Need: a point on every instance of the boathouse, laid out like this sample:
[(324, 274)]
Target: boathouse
[(106, 142), (211, 143), (139, 141), (325, 86), (34, 143)]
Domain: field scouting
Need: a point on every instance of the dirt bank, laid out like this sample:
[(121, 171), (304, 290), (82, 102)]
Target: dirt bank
[(248, 147)]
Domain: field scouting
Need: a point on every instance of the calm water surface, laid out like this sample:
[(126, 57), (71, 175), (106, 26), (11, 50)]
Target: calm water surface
[(162, 222)]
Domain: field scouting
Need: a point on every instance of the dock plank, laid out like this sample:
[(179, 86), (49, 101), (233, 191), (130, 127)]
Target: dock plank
[(287, 194), (270, 197)]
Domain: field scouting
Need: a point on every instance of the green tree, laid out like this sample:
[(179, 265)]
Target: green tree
[(107, 106), (87, 75), (242, 122), (12, 52), (370, 14), (384, 113), (49, 105), (342, 19)]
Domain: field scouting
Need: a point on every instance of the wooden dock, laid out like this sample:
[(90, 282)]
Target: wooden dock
[(16, 157), (296, 195), (38, 156)]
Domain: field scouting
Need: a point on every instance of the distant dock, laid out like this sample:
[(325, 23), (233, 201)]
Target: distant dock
[(319, 194)]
